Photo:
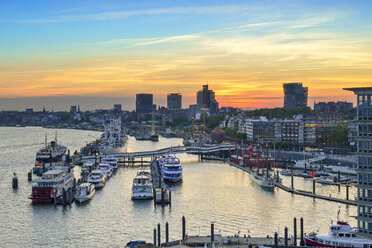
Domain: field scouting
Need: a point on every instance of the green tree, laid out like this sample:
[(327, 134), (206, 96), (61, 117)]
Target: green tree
[(338, 135), (284, 145)]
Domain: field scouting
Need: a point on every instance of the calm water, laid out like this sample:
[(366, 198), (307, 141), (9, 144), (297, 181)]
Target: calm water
[(210, 192)]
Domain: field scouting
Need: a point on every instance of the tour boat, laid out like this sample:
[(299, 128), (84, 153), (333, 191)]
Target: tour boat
[(106, 168), (84, 192), (341, 235), (171, 168), (142, 187), (51, 185), (265, 181), (113, 139), (98, 178), (50, 153)]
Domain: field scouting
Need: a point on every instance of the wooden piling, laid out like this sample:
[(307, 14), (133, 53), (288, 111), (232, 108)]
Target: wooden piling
[(212, 234), (286, 236), (183, 228), (159, 241), (154, 236), (294, 231), (302, 241), (29, 176), (166, 232)]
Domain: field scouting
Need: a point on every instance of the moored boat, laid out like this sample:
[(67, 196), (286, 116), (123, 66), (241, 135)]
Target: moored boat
[(286, 173), (325, 180), (341, 235), (106, 168), (265, 181), (171, 168), (142, 187), (84, 192), (98, 178), (51, 185)]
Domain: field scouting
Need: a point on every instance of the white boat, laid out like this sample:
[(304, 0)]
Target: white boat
[(171, 168), (343, 170), (341, 235), (263, 180), (114, 139), (142, 187), (286, 173), (51, 185), (111, 161), (84, 192), (98, 178), (105, 168), (47, 155), (325, 180)]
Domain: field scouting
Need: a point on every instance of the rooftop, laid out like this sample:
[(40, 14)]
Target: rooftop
[(359, 89)]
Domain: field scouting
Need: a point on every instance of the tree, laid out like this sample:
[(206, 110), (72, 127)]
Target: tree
[(338, 135), (284, 145)]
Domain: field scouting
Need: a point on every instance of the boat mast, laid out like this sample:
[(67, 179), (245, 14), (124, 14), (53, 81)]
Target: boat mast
[(46, 142), (267, 167), (55, 136)]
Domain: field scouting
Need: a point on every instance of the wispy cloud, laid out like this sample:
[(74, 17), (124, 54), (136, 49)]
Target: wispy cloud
[(115, 15)]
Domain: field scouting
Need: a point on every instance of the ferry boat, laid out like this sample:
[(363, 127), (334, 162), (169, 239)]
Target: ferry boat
[(98, 178), (85, 192), (341, 235), (50, 153), (171, 168), (113, 139), (106, 168), (142, 187), (265, 181), (51, 185)]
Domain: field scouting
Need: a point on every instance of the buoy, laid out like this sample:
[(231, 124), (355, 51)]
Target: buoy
[(29, 176), (15, 181)]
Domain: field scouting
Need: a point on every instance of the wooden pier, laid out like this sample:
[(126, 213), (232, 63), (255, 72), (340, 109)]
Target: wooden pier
[(161, 194)]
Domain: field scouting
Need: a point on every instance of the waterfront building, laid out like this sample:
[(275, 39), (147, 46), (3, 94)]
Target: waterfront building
[(144, 104), (295, 95), (174, 101), (259, 128), (363, 125), (333, 107), (73, 109)]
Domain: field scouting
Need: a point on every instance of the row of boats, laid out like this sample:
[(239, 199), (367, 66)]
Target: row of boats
[(171, 171)]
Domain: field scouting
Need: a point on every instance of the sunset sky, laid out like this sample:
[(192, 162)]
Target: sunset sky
[(96, 53)]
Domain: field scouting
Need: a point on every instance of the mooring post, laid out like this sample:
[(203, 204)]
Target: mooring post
[(183, 228), (292, 179), (294, 231), (212, 234), (302, 242), (338, 176), (155, 236), (162, 197), (170, 198), (29, 176), (347, 190), (166, 232), (159, 241), (64, 197), (286, 236), (276, 240), (314, 186), (277, 176)]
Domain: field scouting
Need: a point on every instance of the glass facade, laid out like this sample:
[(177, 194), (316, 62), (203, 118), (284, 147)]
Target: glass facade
[(363, 124)]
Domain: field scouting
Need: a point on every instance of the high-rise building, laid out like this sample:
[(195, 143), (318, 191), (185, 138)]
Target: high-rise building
[(144, 103), (174, 101), (73, 109), (206, 99), (117, 107), (363, 122), (295, 95)]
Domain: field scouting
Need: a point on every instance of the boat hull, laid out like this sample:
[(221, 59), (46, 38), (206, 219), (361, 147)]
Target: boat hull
[(83, 198), (143, 196)]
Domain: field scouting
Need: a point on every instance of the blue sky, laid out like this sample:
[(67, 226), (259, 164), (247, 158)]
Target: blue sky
[(245, 49)]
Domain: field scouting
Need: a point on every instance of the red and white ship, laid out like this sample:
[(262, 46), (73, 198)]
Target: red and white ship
[(341, 235), (51, 185)]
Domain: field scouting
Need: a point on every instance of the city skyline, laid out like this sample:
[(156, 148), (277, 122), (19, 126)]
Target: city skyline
[(95, 54)]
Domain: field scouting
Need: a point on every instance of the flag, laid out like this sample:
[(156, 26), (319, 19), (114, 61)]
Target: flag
[(229, 149), (242, 153), (312, 174), (276, 164)]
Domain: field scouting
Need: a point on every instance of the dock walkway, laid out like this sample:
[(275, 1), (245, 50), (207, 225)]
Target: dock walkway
[(301, 192)]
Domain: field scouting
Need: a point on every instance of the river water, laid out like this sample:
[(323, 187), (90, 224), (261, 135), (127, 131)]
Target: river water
[(210, 192)]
